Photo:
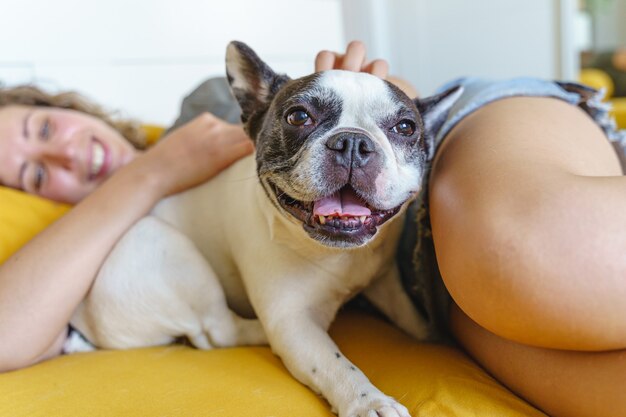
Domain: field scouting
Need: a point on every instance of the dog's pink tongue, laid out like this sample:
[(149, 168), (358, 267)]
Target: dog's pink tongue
[(343, 203)]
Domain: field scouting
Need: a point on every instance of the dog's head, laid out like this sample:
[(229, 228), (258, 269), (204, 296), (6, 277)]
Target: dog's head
[(338, 152)]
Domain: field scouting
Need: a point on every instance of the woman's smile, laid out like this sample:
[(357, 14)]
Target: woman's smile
[(99, 161)]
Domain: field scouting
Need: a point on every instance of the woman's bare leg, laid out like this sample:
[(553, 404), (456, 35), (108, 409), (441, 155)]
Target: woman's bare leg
[(528, 208), (561, 383)]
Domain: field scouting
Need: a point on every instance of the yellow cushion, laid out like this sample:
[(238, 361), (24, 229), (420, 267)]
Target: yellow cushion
[(180, 381), (597, 79), (153, 133), (619, 111), (22, 216)]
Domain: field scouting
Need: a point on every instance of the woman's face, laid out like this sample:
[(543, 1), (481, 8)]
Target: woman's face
[(56, 153)]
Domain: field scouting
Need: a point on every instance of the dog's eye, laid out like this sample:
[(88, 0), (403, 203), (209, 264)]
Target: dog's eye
[(404, 127), (299, 118)]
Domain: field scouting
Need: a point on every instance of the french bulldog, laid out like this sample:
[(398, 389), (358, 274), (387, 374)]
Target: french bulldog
[(268, 251)]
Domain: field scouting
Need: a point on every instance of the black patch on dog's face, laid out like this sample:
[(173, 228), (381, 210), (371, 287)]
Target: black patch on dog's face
[(279, 144)]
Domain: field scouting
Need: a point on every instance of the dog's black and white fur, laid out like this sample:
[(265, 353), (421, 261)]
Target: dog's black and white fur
[(259, 239)]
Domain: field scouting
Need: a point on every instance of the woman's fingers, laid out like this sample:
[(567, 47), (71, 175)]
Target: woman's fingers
[(378, 67), (325, 60), (354, 59)]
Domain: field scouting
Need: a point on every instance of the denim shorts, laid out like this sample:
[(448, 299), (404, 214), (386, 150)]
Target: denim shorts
[(416, 253)]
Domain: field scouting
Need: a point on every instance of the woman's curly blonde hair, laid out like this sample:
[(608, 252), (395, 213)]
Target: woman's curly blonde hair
[(29, 95)]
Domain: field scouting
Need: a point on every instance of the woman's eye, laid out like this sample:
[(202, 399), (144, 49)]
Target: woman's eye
[(299, 118), (404, 127), (44, 131), (40, 172)]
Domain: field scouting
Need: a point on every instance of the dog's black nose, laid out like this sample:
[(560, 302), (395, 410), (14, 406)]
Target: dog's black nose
[(352, 149)]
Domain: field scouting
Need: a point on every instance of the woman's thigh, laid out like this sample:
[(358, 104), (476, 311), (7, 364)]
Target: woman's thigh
[(528, 210), (561, 383)]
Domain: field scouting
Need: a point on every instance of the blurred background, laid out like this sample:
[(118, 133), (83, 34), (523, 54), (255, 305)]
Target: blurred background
[(143, 56)]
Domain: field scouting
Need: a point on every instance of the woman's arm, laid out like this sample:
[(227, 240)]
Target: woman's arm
[(42, 284)]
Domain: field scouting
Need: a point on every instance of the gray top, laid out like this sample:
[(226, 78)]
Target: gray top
[(212, 96)]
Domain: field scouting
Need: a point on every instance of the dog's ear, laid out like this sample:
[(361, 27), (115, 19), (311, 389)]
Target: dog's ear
[(252, 81), (434, 111)]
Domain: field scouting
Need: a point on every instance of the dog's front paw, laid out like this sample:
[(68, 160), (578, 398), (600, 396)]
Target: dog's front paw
[(375, 405)]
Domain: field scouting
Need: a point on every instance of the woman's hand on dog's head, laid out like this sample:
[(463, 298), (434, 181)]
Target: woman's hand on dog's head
[(354, 59)]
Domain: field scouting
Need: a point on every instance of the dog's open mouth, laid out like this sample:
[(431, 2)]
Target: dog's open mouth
[(343, 215)]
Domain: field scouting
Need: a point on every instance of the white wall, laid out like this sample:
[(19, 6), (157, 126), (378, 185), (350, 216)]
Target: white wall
[(430, 42), (142, 56)]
